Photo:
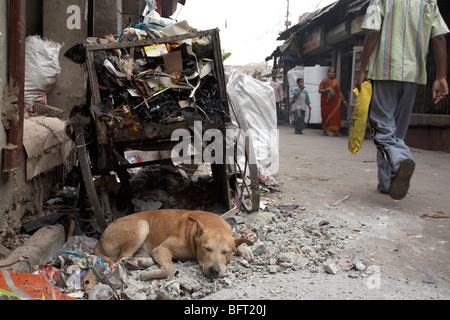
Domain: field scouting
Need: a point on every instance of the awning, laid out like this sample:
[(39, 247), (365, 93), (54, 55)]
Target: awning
[(292, 45)]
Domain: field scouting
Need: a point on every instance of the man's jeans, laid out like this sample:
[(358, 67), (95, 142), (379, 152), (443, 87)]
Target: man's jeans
[(299, 123)]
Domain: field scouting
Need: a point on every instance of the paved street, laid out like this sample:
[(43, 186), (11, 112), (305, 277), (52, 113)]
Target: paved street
[(403, 244), (317, 171)]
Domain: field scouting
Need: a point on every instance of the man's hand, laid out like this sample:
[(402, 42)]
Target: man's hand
[(440, 86), (361, 79), (440, 90)]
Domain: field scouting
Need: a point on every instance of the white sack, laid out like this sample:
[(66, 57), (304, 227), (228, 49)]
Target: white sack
[(256, 100), (42, 69), (293, 75)]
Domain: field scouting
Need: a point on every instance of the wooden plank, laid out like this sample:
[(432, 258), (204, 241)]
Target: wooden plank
[(155, 132), (147, 163), (149, 42), (93, 78), (218, 62), (102, 136)]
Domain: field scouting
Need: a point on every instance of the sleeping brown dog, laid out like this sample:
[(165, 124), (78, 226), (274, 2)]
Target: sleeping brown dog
[(173, 234)]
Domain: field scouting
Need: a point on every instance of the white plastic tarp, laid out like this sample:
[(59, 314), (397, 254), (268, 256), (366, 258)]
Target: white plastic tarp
[(293, 75), (256, 101)]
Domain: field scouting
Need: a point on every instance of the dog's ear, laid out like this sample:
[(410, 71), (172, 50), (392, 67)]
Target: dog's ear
[(239, 241), (199, 226)]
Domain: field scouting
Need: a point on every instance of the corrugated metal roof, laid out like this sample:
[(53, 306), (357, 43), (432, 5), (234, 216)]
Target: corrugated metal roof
[(356, 8), (353, 9)]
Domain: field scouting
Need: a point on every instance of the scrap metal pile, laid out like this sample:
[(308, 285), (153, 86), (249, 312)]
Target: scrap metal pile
[(144, 85)]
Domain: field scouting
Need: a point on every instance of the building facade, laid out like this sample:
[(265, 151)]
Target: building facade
[(332, 36)]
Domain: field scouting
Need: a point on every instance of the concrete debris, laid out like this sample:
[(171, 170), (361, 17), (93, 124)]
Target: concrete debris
[(330, 268), (345, 265), (273, 269), (359, 266)]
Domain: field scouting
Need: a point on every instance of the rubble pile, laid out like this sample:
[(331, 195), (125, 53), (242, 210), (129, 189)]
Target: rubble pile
[(284, 242), (287, 238)]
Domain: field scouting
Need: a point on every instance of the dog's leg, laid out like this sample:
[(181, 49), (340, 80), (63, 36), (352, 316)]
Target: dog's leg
[(163, 257), (245, 253)]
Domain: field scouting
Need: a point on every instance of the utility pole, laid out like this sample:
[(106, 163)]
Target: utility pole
[(287, 23)]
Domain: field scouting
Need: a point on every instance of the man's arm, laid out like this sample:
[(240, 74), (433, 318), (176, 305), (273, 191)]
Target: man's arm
[(370, 42), (440, 86)]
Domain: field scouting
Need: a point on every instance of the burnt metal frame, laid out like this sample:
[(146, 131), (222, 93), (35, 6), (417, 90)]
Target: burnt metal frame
[(220, 174)]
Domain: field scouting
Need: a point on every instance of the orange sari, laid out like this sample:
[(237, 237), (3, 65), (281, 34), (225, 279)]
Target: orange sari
[(330, 106)]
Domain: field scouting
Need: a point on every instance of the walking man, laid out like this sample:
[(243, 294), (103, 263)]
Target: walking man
[(395, 52), (278, 88)]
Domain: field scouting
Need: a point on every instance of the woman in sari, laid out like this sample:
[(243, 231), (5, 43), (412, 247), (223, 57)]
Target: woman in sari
[(331, 98)]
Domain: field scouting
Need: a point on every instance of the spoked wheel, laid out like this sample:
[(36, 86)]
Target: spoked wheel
[(79, 123), (307, 117), (244, 179)]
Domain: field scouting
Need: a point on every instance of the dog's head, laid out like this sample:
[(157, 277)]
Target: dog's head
[(214, 250)]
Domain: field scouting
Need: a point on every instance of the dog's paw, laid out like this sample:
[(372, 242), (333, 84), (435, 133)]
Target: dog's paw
[(149, 275), (245, 253)]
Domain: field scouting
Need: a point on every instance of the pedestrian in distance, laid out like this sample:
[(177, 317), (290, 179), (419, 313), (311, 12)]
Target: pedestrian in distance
[(301, 102), (278, 88), (398, 35), (330, 104)]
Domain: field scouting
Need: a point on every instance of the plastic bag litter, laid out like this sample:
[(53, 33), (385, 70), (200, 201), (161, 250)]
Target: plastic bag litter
[(267, 180), (357, 130), (153, 18), (26, 286), (80, 244), (101, 292)]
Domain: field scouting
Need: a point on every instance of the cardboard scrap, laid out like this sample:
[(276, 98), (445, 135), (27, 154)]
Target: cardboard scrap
[(45, 143), (173, 62)]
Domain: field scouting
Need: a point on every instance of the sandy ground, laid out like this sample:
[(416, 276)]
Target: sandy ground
[(405, 255)]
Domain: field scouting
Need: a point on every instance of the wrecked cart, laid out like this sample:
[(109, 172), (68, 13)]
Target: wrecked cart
[(143, 94)]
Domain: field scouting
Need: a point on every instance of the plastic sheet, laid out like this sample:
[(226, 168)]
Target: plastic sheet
[(256, 100), (25, 286)]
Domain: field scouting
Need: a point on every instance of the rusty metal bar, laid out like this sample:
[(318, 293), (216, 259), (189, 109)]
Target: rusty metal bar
[(13, 153)]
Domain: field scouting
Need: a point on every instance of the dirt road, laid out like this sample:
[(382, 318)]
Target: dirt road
[(403, 245)]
